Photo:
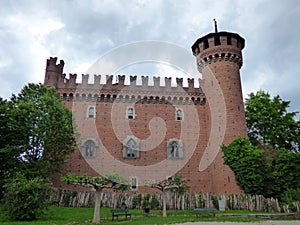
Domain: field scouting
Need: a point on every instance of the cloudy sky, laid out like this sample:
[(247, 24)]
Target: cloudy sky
[(81, 32)]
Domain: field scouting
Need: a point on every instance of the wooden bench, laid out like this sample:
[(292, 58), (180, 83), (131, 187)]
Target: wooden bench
[(199, 211), (120, 212)]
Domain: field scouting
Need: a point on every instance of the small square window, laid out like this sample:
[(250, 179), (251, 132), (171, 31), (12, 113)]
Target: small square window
[(179, 114), (91, 112), (130, 113), (134, 183)]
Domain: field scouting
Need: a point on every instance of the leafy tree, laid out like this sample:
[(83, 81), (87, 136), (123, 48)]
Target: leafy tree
[(7, 154), (286, 171), (265, 172), (41, 132), (175, 183), (246, 162), (110, 181), (25, 199), (270, 124)]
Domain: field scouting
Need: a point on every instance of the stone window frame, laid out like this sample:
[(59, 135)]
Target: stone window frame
[(127, 113), (83, 149), (88, 114), (180, 149), (176, 114), (132, 186), (125, 147)]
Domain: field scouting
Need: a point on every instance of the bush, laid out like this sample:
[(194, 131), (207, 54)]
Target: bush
[(154, 202), (25, 199), (291, 195), (137, 201), (146, 200)]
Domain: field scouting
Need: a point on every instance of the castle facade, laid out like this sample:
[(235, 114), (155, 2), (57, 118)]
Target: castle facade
[(150, 132)]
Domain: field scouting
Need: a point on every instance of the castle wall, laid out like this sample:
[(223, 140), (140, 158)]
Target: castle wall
[(151, 132)]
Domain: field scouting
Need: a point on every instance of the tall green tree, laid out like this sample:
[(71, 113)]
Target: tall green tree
[(41, 132), (270, 124), (8, 155), (269, 165)]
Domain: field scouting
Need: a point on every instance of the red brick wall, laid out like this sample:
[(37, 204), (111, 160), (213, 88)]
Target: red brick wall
[(219, 66)]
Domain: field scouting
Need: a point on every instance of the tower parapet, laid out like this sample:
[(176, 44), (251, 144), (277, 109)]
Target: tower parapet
[(220, 46), (53, 71)]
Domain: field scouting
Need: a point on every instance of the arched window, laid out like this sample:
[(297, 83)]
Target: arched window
[(174, 149), (179, 114), (131, 147), (88, 148), (130, 114), (91, 112)]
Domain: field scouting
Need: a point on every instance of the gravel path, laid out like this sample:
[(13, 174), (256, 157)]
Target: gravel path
[(268, 222)]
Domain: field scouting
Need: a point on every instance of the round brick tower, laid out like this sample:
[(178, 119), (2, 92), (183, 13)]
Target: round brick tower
[(219, 55)]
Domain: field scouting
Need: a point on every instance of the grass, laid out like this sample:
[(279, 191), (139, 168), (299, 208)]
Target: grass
[(82, 216)]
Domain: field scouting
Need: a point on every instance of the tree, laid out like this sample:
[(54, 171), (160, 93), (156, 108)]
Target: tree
[(172, 183), (286, 171), (7, 154), (270, 124), (264, 172), (246, 162), (41, 131), (110, 181)]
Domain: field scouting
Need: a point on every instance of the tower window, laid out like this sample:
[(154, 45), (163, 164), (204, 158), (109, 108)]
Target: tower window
[(130, 113), (91, 112), (179, 114)]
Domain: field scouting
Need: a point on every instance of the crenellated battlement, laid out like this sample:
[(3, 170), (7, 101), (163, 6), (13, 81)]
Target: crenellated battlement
[(69, 87), (52, 66), (219, 39), (219, 46)]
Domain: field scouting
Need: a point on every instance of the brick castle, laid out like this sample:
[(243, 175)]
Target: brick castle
[(149, 132)]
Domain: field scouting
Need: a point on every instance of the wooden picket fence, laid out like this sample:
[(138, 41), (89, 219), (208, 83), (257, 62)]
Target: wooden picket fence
[(186, 201)]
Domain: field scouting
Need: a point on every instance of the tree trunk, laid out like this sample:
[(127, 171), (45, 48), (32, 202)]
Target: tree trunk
[(96, 218), (164, 204)]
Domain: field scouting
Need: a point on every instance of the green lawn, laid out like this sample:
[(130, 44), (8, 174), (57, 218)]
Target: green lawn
[(79, 216)]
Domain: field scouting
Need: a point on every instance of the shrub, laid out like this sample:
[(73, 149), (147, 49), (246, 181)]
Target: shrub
[(146, 200), (25, 199), (137, 201), (154, 202)]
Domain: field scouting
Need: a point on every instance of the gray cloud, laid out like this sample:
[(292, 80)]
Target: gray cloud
[(80, 32)]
